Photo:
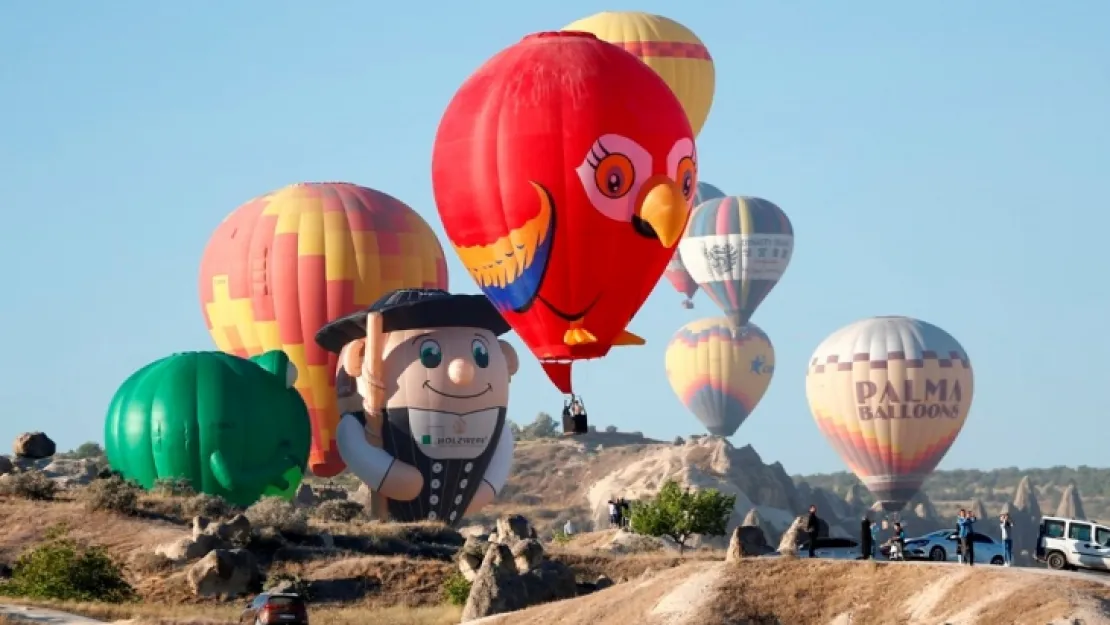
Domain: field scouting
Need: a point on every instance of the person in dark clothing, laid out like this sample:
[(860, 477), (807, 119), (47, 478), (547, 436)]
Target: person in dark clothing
[(813, 526), (626, 512), (865, 537)]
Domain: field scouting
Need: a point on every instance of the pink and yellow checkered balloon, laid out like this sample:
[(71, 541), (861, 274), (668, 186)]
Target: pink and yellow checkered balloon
[(282, 265)]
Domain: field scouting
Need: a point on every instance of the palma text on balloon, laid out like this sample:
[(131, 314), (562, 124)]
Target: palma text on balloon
[(934, 399)]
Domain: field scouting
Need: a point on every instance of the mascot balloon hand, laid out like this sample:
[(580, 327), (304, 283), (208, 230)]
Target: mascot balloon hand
[(423, 389)]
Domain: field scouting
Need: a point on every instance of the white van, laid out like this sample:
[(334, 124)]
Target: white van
[(1073, 544)]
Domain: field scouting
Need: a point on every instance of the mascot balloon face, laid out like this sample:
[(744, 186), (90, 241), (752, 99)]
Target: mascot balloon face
[(423, 389)]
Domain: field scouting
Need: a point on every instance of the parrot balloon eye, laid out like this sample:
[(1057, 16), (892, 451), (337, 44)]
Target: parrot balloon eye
[(609, 175), (430, 354), (682, 166)]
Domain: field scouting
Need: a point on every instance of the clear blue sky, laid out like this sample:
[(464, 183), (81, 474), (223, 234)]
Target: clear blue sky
[(948, 160)]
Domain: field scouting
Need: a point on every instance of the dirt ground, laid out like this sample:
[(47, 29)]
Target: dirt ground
[(799, 592)]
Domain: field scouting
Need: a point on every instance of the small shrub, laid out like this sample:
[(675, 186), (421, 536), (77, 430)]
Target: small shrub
[(339, 511), (209, 506), (174, 487), (560, 537), (62, 570), (610, 429), (279, 514), (113, 495), (29, 485), (456, 589), (289, 582)]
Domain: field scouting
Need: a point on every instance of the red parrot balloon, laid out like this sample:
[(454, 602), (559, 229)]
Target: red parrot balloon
[(564, 171)]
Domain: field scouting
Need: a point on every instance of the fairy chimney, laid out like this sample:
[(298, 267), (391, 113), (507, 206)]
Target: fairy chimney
[(1071, 504)]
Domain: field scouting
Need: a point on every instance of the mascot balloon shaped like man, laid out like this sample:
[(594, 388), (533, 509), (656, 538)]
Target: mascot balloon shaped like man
[(423, 387)]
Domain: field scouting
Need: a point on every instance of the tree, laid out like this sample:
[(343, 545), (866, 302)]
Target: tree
[(679, 513), (88, 450), (514, 427), (543, 427)]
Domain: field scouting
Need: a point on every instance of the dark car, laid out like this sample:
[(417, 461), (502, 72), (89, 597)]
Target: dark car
[(271, 608)]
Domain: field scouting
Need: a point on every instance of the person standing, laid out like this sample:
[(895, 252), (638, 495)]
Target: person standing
[(865, 544), (966, 523), (614, 515), (1007, 527), (813, 529)]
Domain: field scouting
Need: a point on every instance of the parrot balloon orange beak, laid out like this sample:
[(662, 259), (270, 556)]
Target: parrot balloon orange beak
[(663, 210)]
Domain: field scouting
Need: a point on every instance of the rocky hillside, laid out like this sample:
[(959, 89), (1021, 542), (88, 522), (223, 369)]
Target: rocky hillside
[(1081, 492), (800, 592)]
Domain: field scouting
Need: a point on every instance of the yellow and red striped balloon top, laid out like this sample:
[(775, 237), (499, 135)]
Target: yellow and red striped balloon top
[(282, 265)]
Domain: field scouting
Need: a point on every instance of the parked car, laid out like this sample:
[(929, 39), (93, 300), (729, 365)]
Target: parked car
[(271, 608), (940, 546), (1073, 544)]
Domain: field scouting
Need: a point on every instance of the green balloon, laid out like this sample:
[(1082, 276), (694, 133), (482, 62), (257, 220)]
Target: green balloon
[(232, 427)]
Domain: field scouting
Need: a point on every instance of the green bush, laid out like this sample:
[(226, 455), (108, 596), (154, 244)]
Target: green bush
[(278, 514), (208, 506), (29, 485), (62, 570), (113, 494), (680, 513), (174, 487), (339, 511), (456, 589)]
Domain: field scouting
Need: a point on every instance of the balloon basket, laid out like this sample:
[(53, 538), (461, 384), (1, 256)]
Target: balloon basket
[(688, 305)]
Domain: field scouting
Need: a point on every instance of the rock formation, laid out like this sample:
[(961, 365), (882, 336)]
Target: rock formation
[(513, 573), (1071, 505), (33, 446), (1025, 512), (225, 573), (747, 541), (6, 465), (977, 508)]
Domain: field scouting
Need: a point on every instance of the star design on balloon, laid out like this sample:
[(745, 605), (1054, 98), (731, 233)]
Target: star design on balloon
[(757, 364)]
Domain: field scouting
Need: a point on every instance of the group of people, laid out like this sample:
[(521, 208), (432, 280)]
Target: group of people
[(869, 540), (965, 531), (619, 513), (575, 420)]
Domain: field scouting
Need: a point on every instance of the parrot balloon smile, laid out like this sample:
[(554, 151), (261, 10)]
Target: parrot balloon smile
[(564, 171)]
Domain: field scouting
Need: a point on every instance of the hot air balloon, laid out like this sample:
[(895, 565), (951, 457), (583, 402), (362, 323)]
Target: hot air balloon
[(565, 221), (890, 394), (720, 371), (675, 272), (285, 263), (231, 427), (669, 48), (736, 249)]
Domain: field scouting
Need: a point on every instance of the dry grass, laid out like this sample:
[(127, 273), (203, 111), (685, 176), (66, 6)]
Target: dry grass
[(351, 614)]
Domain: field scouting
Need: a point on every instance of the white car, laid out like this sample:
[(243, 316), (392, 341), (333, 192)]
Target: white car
[(940, 546), (1073, 544)]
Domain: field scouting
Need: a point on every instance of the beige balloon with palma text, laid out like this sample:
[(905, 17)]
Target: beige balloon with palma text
[(890, 394)]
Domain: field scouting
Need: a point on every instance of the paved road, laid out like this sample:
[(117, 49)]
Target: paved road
[(43, 615)]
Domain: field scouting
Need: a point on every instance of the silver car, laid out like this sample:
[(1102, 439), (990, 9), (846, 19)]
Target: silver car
[(940, 546)]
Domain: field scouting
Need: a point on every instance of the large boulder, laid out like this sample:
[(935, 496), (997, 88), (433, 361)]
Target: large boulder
[(747, 541), (6, 465), (33, 446), (67, 473), (235, 531), (225, 573)]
